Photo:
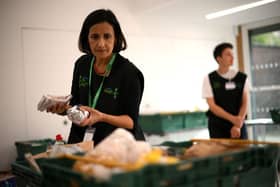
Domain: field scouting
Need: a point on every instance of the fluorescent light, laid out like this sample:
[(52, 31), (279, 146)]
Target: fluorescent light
[(237, 9)]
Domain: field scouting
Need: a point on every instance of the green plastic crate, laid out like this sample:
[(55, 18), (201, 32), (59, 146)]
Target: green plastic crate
[(32, 146), (227, 169), (162, 123), (258, 177), (195, 172), (255, 166), (194, 120), (227, 163), (171, 122), (25, 175), (58, 172), (228, 181), (266, 156), (236, 161)]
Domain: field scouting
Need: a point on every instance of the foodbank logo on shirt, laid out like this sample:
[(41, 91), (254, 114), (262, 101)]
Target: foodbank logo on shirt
[(217, 85), (112, 91), (83, 81)]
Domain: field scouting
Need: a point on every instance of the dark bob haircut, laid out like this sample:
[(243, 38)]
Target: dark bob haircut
[(99, 16), (220, 48)]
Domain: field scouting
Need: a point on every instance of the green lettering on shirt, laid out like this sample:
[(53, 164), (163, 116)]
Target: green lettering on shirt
[(216, 85), (111, 91), (83, 81)]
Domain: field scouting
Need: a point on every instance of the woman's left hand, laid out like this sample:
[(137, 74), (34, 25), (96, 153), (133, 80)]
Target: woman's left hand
[(93, 117), (235, 132)]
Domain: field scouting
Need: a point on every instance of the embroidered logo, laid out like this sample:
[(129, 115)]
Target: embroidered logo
[(216, 85), (83, 81), (111, 91)]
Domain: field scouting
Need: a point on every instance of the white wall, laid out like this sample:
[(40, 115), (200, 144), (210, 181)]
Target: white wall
[(38, 36)]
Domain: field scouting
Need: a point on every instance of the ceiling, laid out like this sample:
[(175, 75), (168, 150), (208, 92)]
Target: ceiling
[(194, 11)]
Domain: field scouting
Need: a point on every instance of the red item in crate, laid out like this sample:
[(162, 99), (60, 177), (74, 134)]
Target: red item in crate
[(58, 137)]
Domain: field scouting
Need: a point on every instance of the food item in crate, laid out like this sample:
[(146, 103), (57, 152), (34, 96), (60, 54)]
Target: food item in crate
[(158, 156), (203, 149), (100, 172), (119, 152), (120, 146)]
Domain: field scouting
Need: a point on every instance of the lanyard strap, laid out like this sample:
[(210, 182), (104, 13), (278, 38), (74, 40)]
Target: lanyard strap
[(108, 69)]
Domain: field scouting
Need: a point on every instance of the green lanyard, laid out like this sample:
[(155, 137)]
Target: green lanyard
[(96, 97)]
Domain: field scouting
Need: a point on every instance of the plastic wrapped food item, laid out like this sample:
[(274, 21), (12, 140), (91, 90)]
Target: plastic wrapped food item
[(100, 172), (121, 146), (76, 115), (51, 100), (117, 153)]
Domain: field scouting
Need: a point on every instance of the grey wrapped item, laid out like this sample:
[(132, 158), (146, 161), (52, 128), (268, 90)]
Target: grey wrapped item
[(76, 115), (51, 100)]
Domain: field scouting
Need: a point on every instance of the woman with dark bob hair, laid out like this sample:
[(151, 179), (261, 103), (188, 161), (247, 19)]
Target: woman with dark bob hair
[(105, 84)]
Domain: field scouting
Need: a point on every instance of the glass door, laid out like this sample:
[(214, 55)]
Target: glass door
[(265, 70)]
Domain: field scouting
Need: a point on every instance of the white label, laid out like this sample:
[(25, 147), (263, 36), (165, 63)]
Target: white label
[(89, 134), (230, 86)]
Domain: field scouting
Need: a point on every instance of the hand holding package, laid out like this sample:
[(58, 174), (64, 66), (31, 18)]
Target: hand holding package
[(76, 115)]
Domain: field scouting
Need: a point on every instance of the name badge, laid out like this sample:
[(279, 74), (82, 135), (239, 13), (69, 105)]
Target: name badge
[(89, 134), (230, 86)]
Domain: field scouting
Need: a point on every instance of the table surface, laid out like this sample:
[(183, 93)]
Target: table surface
[(260, 121)]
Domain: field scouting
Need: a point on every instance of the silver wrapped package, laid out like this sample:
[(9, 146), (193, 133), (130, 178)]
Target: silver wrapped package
[(76, 115)]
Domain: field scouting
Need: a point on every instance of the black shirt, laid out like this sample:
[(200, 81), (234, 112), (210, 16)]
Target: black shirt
[(228, 99), (121, 94)]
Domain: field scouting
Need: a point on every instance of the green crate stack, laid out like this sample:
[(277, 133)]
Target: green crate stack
[(194, 120), (25, 175), (32, 146), (58, 172), (162, 123)]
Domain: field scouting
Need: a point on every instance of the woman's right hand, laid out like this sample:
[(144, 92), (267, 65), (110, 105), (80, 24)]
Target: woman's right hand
[(59, 108), (94, 116)]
